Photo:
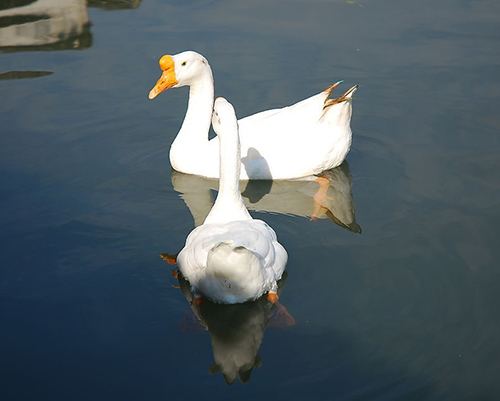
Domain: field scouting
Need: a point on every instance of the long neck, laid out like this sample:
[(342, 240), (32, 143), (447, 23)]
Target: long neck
[(229, 205), (189, 146), (229, 169), (196, 123)]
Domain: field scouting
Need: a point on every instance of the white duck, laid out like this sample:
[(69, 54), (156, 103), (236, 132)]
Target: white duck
[(297, 141), (231, 258)]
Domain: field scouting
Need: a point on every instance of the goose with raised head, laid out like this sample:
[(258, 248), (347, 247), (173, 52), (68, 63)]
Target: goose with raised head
[(297, 141), (231, 257)]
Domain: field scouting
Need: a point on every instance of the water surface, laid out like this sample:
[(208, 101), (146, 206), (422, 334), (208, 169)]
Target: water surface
[(394, 292)]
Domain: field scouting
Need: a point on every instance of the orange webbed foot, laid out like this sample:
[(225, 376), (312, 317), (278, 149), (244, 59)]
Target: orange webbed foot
[(272, 297), (171, 259)]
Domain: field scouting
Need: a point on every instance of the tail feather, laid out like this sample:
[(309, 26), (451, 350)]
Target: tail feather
[(348, 95)]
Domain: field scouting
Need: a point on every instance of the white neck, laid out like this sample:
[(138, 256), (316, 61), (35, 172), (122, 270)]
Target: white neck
[(199, 112), (229, 205), (193, 136)]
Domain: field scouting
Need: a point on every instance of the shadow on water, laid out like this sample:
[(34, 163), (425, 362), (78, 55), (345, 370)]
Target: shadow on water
[(236, 330), (314, 199), (6, 76), (254, 158)]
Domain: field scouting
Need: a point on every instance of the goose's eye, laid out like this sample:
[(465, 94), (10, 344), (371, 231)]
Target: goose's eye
[(183, 64)]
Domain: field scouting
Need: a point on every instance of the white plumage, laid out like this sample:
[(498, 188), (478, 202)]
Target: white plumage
[(297, 141), (231, 258)]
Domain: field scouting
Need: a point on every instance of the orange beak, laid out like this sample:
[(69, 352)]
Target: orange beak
[(167, 79)]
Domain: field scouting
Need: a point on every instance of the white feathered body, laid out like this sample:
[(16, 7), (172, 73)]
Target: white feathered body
[(297, 141), (231, 258), (293, 142), (233, 262)]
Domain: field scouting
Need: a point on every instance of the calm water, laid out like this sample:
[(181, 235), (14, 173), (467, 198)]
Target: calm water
[(397, 300)]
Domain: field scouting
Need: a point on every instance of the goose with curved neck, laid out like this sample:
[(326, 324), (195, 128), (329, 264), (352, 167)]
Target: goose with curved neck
[(231, 258), (297, 141), (229, 205)]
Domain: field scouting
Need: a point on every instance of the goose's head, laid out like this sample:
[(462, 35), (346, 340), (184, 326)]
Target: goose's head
[(183, 69), (224, 117)]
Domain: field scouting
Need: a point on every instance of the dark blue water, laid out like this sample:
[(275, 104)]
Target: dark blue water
[(394, 288)]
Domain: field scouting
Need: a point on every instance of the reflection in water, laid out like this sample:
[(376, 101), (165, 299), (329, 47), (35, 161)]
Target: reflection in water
[(28, 25), (44, 25), (237, 330), (330, 196), (23, 74), (114, 4)]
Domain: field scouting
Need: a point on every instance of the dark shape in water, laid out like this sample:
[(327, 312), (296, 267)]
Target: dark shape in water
[(237, 330), (5, 76), (8, 4), (114, 4), (294, 197)]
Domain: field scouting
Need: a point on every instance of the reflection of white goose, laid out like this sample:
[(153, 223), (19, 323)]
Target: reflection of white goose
[(329, 197), (301, 140), (44, 23), (237, 331), (231, 257)]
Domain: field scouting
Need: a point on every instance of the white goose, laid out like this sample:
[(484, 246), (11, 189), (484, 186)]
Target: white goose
[(297, 141), (231, 258)]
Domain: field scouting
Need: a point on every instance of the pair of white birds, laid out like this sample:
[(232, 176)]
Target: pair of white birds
[(232, 257)]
